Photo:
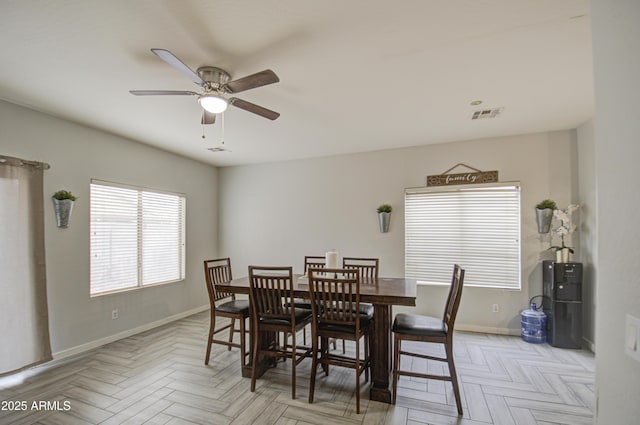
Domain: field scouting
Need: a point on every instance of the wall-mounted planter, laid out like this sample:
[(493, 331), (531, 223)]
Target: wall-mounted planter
[(543, 217), (384, 218), (62, 206), (63, 210)]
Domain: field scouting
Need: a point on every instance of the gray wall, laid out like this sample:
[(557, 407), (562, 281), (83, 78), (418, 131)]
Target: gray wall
[(276, 213), (616, 32), (77, 154)]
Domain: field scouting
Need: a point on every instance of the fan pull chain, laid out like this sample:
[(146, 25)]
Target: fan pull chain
[(222, 127)]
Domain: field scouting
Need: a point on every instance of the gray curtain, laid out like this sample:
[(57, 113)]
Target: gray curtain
[(24, 319)]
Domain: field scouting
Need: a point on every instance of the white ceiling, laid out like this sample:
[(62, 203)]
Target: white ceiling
[(355, 75)]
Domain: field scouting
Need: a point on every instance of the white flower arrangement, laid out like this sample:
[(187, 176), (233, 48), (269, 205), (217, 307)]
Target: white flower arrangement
[(565, 227)]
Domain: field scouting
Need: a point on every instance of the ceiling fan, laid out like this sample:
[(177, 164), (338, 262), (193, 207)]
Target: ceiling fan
[(216, 86)]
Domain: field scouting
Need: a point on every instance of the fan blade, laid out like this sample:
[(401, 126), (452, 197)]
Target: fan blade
[(252, 81), (162, 93), (172, 60), (207, 118), (252, 107)]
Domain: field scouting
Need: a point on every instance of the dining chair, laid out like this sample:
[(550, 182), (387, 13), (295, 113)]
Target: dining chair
[(368, 270), (368, 267), (316, 262), (224, 304), (335, 301), (273, 312), (413, 327)]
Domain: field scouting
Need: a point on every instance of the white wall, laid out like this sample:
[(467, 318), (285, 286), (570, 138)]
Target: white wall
[(587, 230), (274, 214), (616, 31), (77, 154)]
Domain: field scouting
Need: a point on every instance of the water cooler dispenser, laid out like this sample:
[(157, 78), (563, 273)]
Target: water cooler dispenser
[(562, 303)]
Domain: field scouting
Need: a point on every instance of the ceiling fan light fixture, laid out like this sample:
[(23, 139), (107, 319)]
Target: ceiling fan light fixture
[(213, 103)]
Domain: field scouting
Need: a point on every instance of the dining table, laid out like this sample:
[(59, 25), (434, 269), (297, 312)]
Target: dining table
[(382, 293)]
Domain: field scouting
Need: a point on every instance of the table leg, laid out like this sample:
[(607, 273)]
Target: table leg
[(381, 354), (264, 362)]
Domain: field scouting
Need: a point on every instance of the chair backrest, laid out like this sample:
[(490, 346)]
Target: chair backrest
[(368, 267), (335, 296), (271, 292), (215, 272), (314, 262), (453, 299)]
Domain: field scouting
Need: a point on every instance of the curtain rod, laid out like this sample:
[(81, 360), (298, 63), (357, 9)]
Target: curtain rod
[(20, 162)]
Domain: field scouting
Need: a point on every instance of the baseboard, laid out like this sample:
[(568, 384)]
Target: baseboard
[(73, 351), (487, 329), (589, 345)]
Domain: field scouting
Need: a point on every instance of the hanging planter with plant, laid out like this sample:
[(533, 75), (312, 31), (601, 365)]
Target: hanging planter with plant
[(544, 214), (384, 217), (63, 205)]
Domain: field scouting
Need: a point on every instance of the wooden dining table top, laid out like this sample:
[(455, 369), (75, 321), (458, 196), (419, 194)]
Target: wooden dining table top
[(381, 290)]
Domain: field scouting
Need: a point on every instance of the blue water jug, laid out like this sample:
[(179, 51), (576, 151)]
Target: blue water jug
[(534, 325)]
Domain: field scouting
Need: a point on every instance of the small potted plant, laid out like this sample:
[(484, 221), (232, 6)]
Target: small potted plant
[(63, 205), (544, 214), (384, 217)]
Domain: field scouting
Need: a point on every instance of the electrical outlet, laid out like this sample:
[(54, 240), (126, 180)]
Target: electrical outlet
[(114, 314), (495, 308)]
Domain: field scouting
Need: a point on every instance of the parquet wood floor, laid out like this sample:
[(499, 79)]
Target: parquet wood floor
[(159, 377)]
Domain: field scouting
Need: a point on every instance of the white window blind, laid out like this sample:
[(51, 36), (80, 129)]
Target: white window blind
[(137, 237), (475, 226)]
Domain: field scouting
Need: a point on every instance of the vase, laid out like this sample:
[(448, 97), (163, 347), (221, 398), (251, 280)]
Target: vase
[(383, 220), (62, 208), (562, 255), (543, 217)]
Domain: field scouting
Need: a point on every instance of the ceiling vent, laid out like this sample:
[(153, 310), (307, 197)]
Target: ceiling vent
[(486, 113)]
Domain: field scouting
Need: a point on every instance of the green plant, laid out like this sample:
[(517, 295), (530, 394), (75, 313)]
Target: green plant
[(384, 208), (64, 194), (547, 203)]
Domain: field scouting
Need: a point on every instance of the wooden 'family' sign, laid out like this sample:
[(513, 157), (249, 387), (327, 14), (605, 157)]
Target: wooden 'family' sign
[(475, 177)]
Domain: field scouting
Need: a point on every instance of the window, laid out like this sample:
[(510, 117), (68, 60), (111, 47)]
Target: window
[(475, 226), (137, 237)]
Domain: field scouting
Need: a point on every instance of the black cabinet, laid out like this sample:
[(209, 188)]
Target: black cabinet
[(562, 303)]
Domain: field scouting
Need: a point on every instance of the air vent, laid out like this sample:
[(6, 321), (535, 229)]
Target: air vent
[(218, 149), (486, 113)]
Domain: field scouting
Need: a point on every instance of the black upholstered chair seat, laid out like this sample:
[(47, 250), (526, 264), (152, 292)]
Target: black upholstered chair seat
[(235, 307), (348, 329), (301, 314), (366, 310), (412, 324)]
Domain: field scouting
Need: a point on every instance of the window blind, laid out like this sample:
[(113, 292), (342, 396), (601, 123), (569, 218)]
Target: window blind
[(476, 226), (136, 239)]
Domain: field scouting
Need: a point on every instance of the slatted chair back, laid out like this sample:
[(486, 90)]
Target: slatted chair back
[(271, 292), (314, 262), (368, 267), (217, 271), (335, 296), (453, 299)]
